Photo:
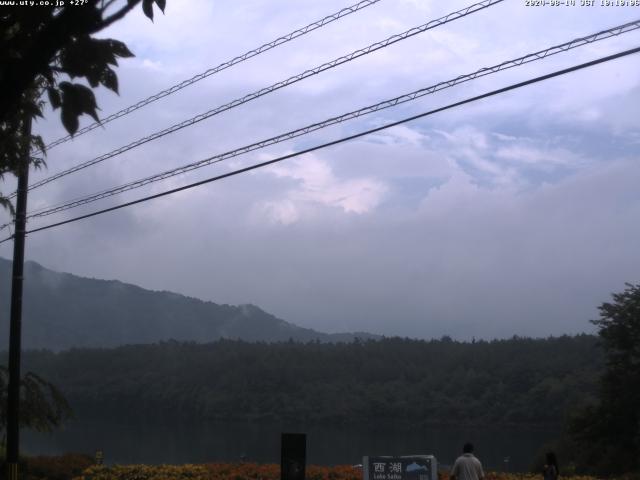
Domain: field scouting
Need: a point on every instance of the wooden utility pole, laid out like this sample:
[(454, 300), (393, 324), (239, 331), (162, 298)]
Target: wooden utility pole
[(15, 326)]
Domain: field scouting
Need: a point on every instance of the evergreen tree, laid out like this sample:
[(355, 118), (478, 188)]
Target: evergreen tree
[(608, 433)]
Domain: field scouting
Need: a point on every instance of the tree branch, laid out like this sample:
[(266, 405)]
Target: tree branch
[(105, 7), (116, 16)]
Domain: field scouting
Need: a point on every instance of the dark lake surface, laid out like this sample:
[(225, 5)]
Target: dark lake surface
[(326, 445)]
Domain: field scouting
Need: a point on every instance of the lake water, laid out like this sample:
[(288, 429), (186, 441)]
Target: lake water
[(326, 445)]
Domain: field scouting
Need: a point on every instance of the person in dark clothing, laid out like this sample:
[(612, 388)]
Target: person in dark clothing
[(551, 470)]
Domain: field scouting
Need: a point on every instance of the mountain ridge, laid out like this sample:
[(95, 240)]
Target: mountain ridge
[(62, 310)]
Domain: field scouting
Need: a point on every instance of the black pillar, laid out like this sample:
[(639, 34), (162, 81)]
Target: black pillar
[(15, 326), (293, 456)]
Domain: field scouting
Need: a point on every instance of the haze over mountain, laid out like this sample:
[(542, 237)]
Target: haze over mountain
[(62, 310)]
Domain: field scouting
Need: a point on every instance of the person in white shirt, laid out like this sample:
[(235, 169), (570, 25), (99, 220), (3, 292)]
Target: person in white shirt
[(467, 466)]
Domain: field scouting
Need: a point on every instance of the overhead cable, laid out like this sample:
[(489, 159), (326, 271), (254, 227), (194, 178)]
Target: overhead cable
[(276, 86), (341, 140), (223, 66), (531, 57)]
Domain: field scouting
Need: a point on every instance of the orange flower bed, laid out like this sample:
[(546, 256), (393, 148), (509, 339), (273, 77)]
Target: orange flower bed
[(252, 471), (256, 471)]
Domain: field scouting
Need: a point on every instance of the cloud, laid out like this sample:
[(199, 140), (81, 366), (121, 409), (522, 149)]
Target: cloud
[(512, 215), (316, 184), (283, 211), (538, 157)]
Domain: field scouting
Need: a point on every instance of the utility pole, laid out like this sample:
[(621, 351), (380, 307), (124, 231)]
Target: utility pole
[(15, 327)]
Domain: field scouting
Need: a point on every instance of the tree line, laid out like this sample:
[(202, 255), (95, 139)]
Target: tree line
[(518, 381)]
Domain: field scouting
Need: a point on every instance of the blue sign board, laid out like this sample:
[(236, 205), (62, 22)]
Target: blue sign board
[(410, 467)]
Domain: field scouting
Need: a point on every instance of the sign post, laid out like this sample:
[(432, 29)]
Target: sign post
[(293, 456), (409, 467)]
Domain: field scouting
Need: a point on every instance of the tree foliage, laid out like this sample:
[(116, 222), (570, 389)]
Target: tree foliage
[(608, 432), (399, 381), (43, 50), (42, 405)]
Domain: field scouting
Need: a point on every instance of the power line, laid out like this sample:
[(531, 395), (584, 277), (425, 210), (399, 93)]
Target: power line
[(223, 66), (532, 57), (342, 140), (276, 86)]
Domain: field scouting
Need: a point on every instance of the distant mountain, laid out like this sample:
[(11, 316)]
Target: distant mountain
[(61, 311)]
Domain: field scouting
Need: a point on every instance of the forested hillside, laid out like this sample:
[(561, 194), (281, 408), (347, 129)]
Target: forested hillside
[(63, 311), (516, 381)]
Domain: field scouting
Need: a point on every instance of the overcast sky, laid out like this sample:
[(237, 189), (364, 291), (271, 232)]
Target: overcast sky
[(515, 215)]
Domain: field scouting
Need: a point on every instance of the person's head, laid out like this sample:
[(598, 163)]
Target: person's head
[(551, 459), (467, 448)]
